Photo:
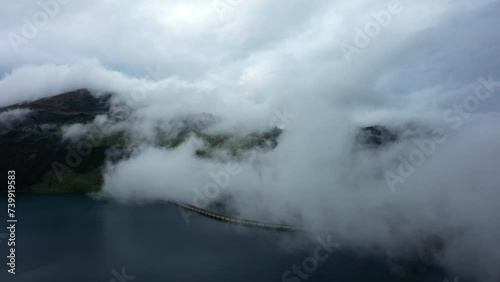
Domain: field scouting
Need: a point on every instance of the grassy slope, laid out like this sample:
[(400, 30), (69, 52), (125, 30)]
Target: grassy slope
[(90, 181)]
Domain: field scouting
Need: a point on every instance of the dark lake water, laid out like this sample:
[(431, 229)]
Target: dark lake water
[(75, 238)]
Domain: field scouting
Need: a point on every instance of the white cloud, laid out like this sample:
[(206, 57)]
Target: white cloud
[(11, 118), (272, 54)]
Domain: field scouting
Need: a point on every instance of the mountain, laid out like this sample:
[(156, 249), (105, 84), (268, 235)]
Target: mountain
[(32, 143)]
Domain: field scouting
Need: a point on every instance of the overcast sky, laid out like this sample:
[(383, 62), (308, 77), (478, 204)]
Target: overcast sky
[(429, 43), (333, 66)]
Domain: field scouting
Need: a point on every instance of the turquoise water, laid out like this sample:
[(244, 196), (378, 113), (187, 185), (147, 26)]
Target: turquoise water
[(75, 238)]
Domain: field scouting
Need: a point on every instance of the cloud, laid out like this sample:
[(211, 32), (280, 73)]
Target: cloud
[(169, 60), (11, 118), (74, 132)]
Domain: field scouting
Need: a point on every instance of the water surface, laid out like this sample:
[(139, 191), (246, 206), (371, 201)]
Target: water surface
[(75, 238)]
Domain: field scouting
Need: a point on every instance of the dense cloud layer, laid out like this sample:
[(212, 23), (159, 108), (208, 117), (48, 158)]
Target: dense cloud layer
[(320, 69)]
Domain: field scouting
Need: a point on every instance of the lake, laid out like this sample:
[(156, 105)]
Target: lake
[(76, 238)]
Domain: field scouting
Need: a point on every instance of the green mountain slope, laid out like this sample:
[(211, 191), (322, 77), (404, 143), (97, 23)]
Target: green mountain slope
[(45, 163)]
